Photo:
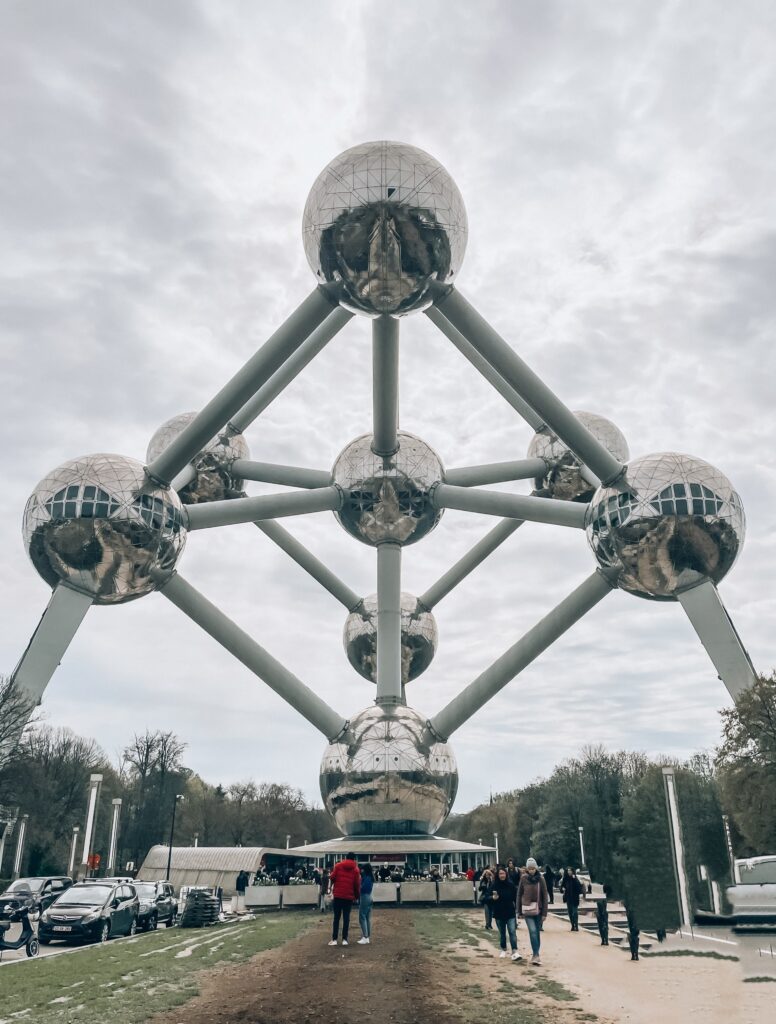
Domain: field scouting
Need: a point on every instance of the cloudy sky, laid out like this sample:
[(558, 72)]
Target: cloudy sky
[(616, 161)]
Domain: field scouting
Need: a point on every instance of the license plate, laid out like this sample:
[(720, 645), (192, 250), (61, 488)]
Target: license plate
[(62, 928)]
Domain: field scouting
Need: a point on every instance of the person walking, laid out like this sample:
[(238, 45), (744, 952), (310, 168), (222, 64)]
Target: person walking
[(240, 885), (513, 873), (365, 905), (502, 896), (532, 904), (486, 880), (549, 879), (572, 890), (345, 888), (324, 883)]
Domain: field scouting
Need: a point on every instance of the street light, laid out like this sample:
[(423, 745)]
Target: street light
[(582, 847), (495, 843), (178, 796)]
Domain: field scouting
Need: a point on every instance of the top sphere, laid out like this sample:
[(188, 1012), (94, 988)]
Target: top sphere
[(214, 480), (563, 480), (385, 221), (674, 522), (98, 524)]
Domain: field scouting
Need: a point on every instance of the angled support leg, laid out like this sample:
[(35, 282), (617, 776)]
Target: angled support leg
[(310, 564), (510, 506), (230, 399), (385, 385), (289, 371), (553, 413), (60, 621), (389, 681), (521, 654), (286, 476), (253, 656), (495, 473), (266, 506), (704, 608), (469, 562)]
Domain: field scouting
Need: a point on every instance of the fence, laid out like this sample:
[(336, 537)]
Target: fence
[(439, 892)]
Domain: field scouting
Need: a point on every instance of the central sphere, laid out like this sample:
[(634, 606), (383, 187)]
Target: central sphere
[(387, 781), (214, 479), (419, 638), (387, 498), (674, 522), (563, 479), (98, 524), (385, 221)]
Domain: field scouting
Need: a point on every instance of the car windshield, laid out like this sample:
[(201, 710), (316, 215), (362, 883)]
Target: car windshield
[(85, 895), (145, 889), (26, 885)]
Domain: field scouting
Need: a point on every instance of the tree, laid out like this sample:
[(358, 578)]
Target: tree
[(746, 762), (16, 713), (153, 773)]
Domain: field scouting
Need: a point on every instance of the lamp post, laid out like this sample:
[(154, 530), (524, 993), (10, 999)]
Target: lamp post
[(582, 847), (178, 796), (288, 842), (95, 784), (495, 843), (114, 835), (21, 836), (73, 850)]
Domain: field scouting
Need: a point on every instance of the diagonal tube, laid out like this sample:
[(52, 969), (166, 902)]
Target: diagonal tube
[(271, 473), (704, 608), (385, 385), (291, 369), (496, 473), (554, 414), (253, 656), (264, 506), (520, 655), (257, 371), (511, 506), (469, 562), (491, 375), (389, 682), (307, 560)]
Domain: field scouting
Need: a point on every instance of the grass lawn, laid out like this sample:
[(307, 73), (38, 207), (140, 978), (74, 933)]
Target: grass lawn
[(129, 980)]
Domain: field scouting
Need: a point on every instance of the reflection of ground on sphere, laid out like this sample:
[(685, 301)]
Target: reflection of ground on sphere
[(385, 221), (214, 479), (419, 638), (98, 524), (675, 523)]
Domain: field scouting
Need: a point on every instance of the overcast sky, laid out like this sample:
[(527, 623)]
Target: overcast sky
[(617, 165)]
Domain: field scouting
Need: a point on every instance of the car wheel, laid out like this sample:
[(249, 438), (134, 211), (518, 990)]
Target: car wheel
[(32, 947), (104, 931), (133, 927)]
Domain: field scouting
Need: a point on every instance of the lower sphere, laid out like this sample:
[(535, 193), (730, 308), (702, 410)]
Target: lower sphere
[(387, 780)]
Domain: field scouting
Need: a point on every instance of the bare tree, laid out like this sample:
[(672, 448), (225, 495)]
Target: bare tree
[(16, 714)]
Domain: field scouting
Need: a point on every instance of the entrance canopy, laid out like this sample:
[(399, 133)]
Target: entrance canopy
[(216, 865)]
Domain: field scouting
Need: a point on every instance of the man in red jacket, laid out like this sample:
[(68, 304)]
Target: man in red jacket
[(345, 888)]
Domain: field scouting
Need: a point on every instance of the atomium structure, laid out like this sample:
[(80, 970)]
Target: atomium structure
[(384, 231)]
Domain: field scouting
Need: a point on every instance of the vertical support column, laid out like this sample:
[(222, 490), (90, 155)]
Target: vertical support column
[(95, 783), (582, 848), (389, 681), (22, 835), (385, 385), (114, 835), (73, 848), (677, 847), (495, 843)]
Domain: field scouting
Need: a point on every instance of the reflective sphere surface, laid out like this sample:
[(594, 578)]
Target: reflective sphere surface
[(387, 782), (214, 480), (563, 479), (419, 638), (387, 499), (676, 523), (385, 221), (97, 523)]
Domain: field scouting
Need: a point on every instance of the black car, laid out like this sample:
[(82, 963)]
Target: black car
[(93, 910), (35, 893), (157, 904)]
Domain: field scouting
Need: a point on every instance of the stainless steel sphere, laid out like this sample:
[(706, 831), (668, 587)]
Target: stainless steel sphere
[(98, 524), (387, 499), (384, 221), (419, 638), (387, 781), (214, 480), (563, 479), (675, 523)]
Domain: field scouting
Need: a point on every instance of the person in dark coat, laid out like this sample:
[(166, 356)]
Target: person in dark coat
[(532, 904), (346, 889), (241, 884), (633, 933), (549, 879), (486, 880), (502, 896), (602, 920), (513, 873), (572, 891)]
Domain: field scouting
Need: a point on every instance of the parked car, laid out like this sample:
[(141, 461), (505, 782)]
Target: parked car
[(157, 905), (35, 893), (93, 910)]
